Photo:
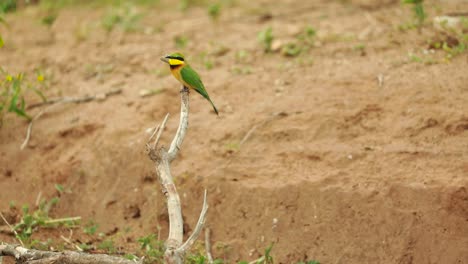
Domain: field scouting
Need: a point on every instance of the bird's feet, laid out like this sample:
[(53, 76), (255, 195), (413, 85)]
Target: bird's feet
[(184, 90)]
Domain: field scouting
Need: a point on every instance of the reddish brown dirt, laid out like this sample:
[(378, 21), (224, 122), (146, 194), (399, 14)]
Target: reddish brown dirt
[(336, 168)]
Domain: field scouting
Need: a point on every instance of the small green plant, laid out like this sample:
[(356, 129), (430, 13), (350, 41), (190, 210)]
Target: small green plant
[(308, 36), (125, 17), (180, 41), (108, 246), (418, 10), (153, 249), (265, 37), (184, 4), (268, 259), (455, 50), (90, 228), (265, 259), (30, 220), (207, 60), (214, 11), (303, 42), (291, 50), (246, 70), (130, 257), (49, 19), (7, 6), (12, 89), (242, 56), (361, 48)]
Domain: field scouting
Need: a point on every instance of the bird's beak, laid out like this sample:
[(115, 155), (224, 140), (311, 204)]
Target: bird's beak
[(166, 60)]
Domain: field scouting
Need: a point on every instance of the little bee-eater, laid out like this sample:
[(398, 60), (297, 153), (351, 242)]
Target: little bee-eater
[(186, 75)]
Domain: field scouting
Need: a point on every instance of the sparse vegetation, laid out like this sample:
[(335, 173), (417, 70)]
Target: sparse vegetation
[(153, 249), (214, 11), (126, 17), (90, 228), (31, 220), (12, 94), (265, 37), (180, 41), (7, 6), (418, 10)]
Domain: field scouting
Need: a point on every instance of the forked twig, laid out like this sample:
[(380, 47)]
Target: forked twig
[(198, 228), (29, 130), (160, 130)]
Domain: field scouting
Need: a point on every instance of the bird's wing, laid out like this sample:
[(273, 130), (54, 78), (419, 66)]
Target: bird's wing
[(192, 78)]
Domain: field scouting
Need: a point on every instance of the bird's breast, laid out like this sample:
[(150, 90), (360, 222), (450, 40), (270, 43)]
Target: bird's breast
[(176, 72)]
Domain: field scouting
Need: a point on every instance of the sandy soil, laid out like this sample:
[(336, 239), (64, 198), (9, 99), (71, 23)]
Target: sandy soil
[(336, 167)]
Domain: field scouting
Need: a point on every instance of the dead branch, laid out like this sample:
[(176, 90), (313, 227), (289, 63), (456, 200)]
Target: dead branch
[(78, 100), (201, 222), (32, 256), (63, 100), (175, 248), (208, 246)]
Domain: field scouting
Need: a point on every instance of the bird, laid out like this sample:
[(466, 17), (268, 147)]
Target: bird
[(187, 76)]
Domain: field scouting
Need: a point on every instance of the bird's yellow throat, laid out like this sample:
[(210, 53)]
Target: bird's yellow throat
[(175, 62)]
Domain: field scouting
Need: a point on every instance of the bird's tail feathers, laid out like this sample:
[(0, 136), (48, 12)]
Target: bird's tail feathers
[(214, 107)]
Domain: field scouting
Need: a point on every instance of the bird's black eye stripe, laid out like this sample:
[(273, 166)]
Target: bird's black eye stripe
[(175, 57)]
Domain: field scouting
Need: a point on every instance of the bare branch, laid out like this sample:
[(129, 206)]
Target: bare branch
[(63, 220), (28, 132), (155, 130), (201, 222), (208, 246), (61, 100), (78, 100), (161, 129), (183, 124), (25, 255)]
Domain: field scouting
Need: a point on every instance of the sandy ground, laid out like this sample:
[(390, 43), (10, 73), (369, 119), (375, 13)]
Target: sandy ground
[(335, 167)]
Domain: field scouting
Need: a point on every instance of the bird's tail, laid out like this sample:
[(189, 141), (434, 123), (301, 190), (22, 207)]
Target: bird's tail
[(214, 107)]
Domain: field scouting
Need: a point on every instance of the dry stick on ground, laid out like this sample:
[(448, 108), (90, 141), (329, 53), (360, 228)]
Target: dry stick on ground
[(78, 100), (62, 100), (162, 158), (32, 256)]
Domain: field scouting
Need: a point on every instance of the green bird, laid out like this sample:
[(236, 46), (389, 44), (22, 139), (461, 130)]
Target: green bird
[(187, 76)]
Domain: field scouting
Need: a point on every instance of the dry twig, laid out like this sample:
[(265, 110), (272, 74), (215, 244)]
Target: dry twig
[(208, 246), (24, 255), (12, 229), (78, 100), (62, 100)]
